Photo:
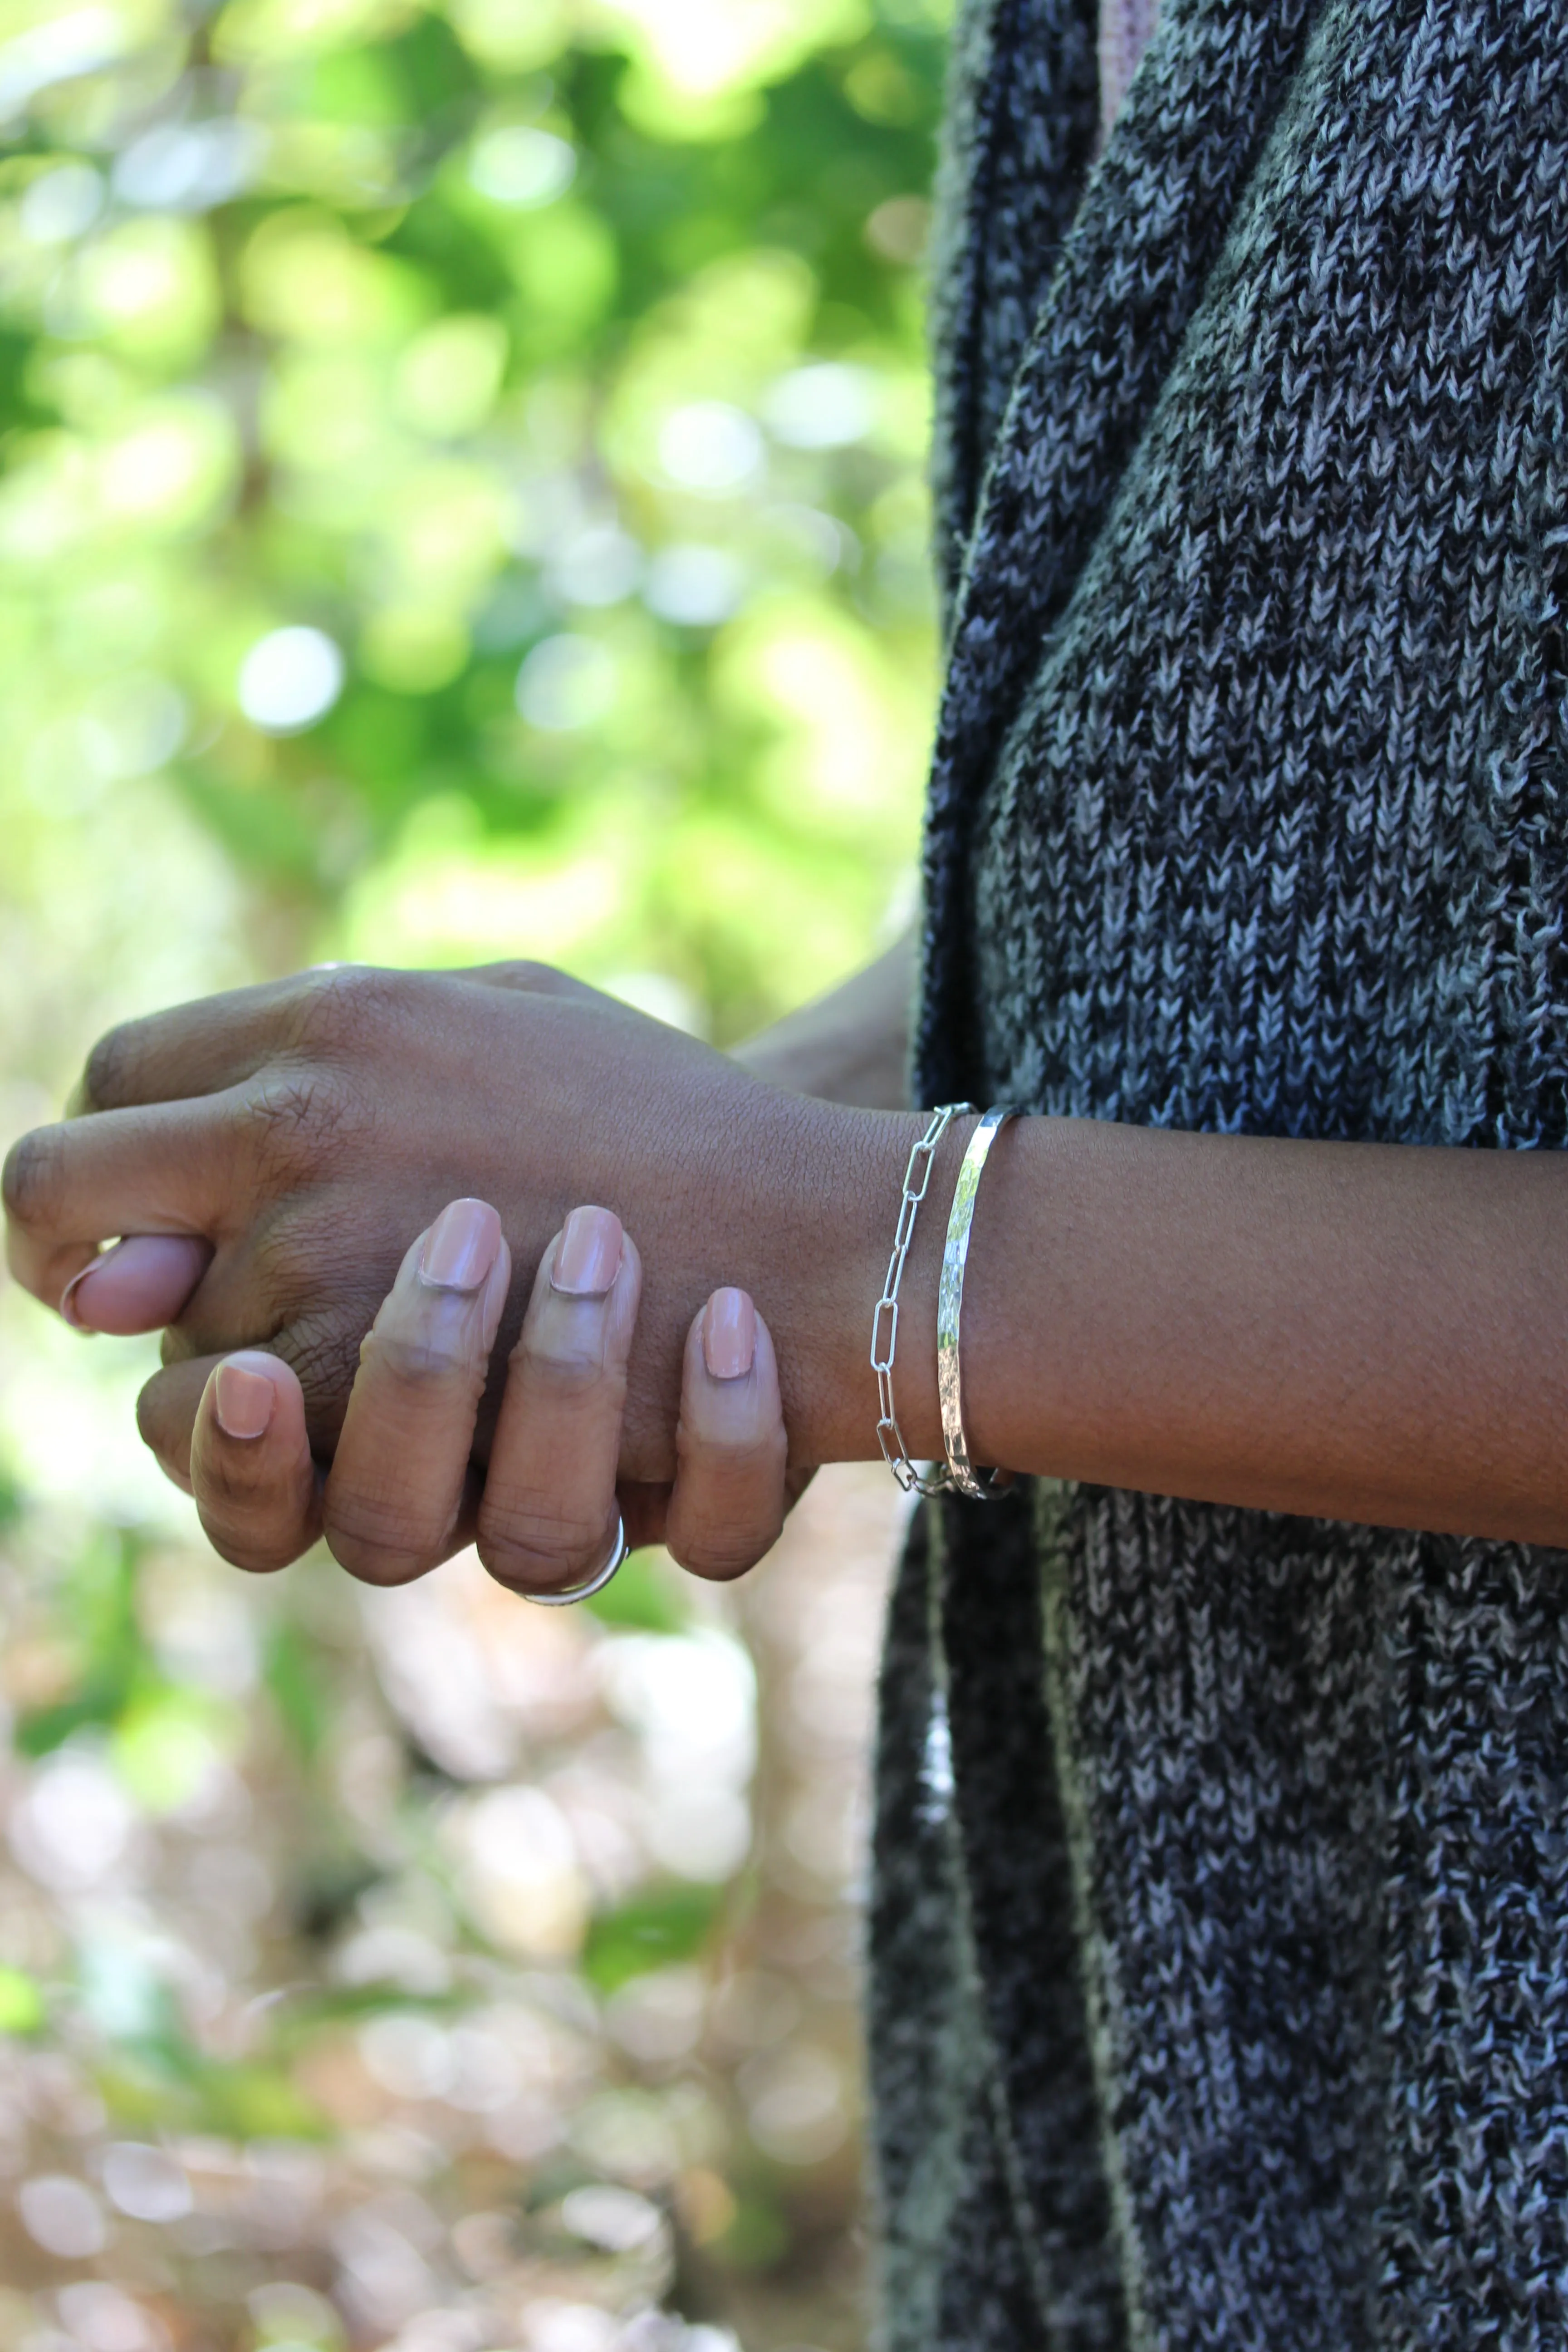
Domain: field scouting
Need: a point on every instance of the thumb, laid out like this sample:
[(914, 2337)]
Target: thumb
[(140, 1284)]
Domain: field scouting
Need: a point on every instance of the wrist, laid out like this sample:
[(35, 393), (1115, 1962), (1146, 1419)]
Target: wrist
[(825, 1184)]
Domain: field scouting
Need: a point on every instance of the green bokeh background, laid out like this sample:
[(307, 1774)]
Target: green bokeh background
[(461, 495), (564, 368)]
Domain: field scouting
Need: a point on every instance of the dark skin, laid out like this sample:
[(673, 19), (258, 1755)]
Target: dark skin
[(402, 1492), (1355, 1331)]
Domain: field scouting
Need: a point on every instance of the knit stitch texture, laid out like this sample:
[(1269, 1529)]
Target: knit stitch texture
[(1220, 1924)]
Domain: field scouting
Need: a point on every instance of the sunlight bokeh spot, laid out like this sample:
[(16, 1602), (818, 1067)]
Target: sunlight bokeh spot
[(61, 203), (821, 407), (291, 679), (695, 586), (565, 683), (711, 448), (520, 166), (63, 2216)]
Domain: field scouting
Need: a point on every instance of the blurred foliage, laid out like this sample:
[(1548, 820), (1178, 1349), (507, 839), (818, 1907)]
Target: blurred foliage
[(461, 495), (671, 1923), (476, 454)]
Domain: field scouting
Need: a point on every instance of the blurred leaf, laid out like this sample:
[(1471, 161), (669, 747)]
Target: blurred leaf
[(21, 2002), (247, 2102), (298, 1684), (645, 1596), (312, 2010), (758, 2238), (328, 1886), (39, 1730), (668, 1924), (164, 2090), (112, 1660), (165, 1745)]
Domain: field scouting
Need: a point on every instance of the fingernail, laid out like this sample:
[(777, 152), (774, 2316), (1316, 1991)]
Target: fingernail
[(729, 1334), (69, 1297), (588, 1255), (460, 1246), (244, 1401)]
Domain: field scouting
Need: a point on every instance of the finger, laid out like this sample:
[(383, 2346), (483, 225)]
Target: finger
[(200, 1048), (166, 1414), (156, 1169), (729, 1499), (548, 1514), (256, 1489), (138, 1286), (395, 1499), (645, 1507)]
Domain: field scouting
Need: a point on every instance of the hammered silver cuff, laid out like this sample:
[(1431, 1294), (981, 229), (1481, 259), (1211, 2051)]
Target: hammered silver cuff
[(980, 1485)]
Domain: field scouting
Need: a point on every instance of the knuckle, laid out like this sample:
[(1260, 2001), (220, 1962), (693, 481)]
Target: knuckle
[(721, 1553), (739, 1514), (526, 1539), (528, 978), (322, 1351), (109, 1078), (160, 1429), (296, 1257), (420, 1366), (233, 1482), (243, 1519), (31, 1180), (565, 1379), (296, 1122), (258, 1555), (337, 1011), (378, 1535), (149, 1417)]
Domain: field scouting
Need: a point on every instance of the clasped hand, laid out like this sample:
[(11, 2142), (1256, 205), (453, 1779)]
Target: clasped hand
[(362, 1149), (402, 1493)]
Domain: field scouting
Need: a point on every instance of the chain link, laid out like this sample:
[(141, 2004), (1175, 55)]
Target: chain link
[(889, 1436)]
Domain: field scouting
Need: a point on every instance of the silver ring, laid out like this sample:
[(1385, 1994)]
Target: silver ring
[(619, 1551)]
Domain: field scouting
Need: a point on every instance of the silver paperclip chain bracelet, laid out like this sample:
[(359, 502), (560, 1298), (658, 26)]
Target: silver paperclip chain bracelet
[(957, 1474), (885, 1332)]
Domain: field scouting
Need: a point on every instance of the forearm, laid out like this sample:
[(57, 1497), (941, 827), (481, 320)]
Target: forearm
[(849, 1046), (1345, 1330), (1339, 1329)]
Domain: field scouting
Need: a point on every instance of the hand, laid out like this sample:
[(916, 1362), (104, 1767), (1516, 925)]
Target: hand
[(401, 1495), (300, 1132), (851, 1046)]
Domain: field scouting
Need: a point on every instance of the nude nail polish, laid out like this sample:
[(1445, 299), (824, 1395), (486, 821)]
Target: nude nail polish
[(69, 1299), (460, 1246), (729, 1334), (244, 1400), (588, 1254)]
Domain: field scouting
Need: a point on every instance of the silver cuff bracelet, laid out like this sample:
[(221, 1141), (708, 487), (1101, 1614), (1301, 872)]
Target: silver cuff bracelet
[(980, 1485)]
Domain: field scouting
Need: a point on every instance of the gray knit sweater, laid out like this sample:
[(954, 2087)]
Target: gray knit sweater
[(1220, 1926)]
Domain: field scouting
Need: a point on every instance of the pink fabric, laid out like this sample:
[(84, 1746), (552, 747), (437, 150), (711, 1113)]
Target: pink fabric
[(1124, 29)]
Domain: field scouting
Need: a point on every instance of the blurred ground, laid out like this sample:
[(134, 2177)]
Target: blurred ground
[(417, 1969)]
